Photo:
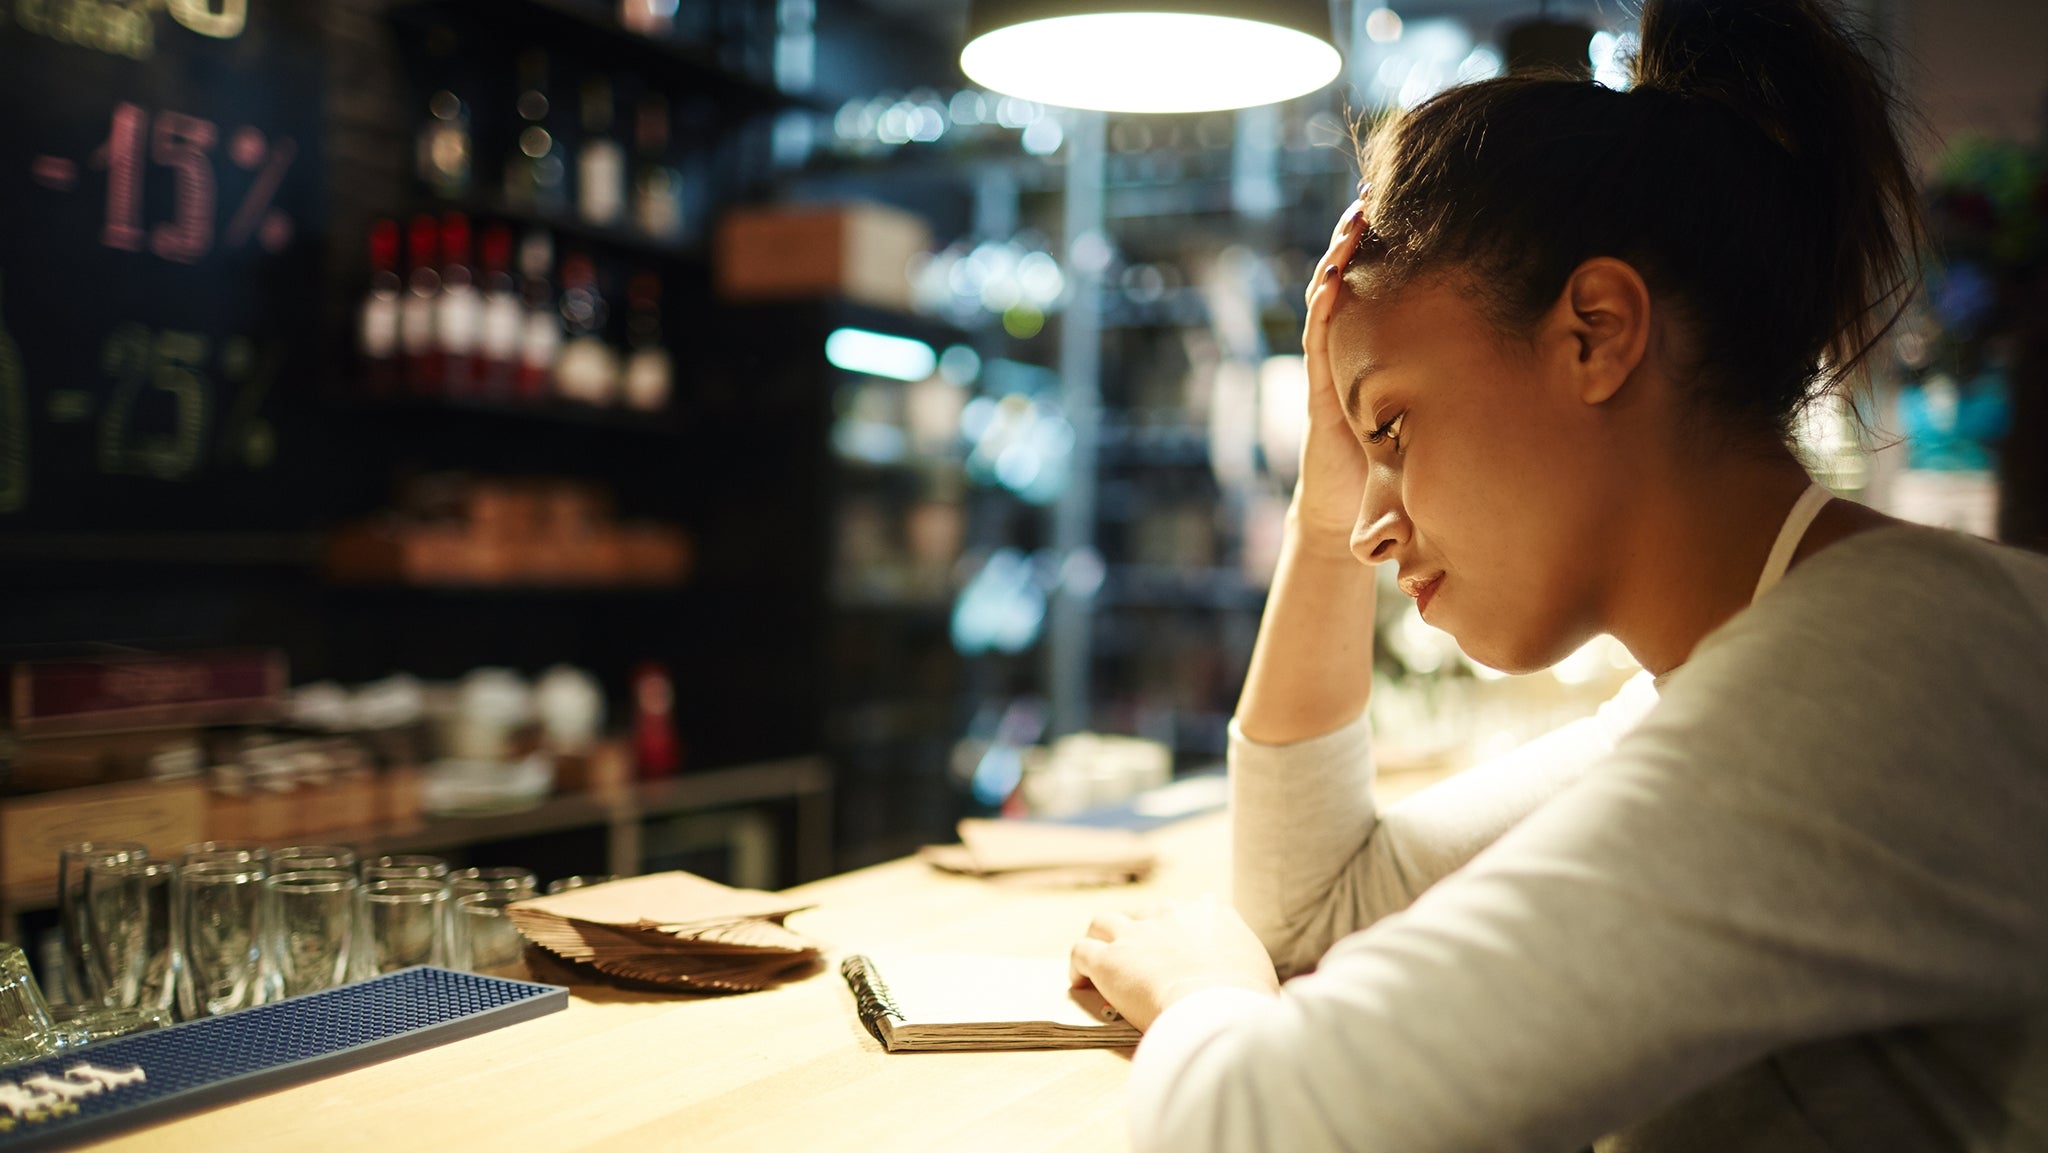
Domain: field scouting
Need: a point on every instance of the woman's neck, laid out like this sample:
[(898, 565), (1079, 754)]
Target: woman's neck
[(1691, 558)]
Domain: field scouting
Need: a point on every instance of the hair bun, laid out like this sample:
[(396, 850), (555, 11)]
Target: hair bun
[(1793, 68)]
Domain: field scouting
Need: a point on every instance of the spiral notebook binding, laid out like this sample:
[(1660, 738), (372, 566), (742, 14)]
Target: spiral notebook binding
[(870, 995)]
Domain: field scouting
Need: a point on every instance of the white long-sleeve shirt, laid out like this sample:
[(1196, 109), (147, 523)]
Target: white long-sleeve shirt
[(1797, 901)]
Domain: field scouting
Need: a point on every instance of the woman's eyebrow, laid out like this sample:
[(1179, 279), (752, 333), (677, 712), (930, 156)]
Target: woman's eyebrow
[(1352, 390)]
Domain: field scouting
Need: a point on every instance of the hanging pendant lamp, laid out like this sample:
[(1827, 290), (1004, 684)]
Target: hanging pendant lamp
[(1171, 56)]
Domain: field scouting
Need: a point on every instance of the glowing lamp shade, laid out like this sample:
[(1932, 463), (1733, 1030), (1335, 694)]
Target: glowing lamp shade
[(1177, 56)]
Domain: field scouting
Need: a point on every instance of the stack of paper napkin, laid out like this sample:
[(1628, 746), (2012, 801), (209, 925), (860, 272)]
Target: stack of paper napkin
[(1041, 854), (672, 930)]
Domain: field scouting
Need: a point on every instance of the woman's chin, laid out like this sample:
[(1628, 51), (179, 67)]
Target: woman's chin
[(1515, 656)]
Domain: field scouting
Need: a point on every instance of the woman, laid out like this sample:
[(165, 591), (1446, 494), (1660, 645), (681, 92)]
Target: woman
[(1792, 894)]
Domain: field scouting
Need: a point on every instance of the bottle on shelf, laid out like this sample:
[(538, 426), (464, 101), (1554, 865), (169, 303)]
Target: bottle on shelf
[(417, 314), (657, 186), (444, 146), (650, 371), (535, 175), (502, 317), (656, 751), (600, 161), (377, 331), (540, 337), (457, 316), (589, 369)]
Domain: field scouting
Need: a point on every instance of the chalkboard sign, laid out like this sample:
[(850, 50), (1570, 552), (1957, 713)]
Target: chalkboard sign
[(160, 260)]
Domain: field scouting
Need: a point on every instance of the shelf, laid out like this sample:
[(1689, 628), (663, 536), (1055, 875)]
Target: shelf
[(877, 723), (550, 413), (799, 779), (568, 227), (907, 466), (933, 163), (508, 590), (902, 603), (560, 22), (194, 549)]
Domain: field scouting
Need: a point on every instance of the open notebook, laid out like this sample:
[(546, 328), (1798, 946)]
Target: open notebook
[(928, 1002)]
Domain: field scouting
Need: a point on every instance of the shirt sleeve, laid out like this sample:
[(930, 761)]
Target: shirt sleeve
[(1827, 828), (1314, 859)]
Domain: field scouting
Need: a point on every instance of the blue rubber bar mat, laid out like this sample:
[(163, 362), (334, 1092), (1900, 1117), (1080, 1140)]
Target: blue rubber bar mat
[(130, 1081)]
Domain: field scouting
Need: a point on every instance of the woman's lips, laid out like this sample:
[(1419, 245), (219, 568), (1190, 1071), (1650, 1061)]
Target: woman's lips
[(1423, 589)]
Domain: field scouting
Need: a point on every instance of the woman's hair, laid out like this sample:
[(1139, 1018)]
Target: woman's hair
[(1752, 174)]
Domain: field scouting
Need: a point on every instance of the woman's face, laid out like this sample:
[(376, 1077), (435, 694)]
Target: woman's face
[(1491, 481)]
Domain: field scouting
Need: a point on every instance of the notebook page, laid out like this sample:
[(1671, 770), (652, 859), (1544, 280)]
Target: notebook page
[(972, 989)]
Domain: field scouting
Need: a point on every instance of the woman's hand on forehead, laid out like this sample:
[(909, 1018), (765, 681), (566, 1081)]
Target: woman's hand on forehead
[(1343, 243), (1333, 466)]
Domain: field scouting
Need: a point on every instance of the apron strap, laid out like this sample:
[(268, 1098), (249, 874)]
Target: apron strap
[(1797, 522)]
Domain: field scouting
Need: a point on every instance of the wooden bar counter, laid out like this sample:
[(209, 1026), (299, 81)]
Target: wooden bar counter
[(786, 1069)]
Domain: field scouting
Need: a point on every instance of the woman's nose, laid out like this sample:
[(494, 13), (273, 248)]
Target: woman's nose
[(1378, 533)]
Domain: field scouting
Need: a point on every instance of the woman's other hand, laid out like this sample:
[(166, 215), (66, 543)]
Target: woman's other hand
[(1333, 465), (1143, 963)]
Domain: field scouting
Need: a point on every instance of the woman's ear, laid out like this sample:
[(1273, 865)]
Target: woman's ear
[(1605, 309)]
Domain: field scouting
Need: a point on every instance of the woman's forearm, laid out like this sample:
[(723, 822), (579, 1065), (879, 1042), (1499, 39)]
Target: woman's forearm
[(1311, 668)]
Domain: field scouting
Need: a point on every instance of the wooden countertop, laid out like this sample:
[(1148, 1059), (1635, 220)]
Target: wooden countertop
[(786, 1069)]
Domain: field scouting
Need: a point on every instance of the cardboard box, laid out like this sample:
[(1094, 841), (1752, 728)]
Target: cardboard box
[(165, 817), (652, 554), (399, 791), (604, 772), (792, 252), (129, 693), (346, 803)]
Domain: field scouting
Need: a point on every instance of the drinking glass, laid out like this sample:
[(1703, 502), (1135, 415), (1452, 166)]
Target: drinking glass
[(244, 850), (405, 865), (511, 881), (225, 932), (408, 922), (580, 881), (486, 940), (27, 1030), (315, 916), (84, 978), (128, 913), (308, 858)]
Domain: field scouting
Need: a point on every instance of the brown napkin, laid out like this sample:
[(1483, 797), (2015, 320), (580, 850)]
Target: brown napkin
[(671, 930), (1043, 855)]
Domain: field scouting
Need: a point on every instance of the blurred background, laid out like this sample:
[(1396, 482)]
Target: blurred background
[(715, 434)]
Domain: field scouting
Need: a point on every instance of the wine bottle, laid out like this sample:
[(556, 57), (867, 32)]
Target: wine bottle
[(444, 146), (657, 186), (540, 338), (377, 329), (589, 371), (503, 315), (535, 175), (600, 162), (650, 372), (416, 315), (457, 316)]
